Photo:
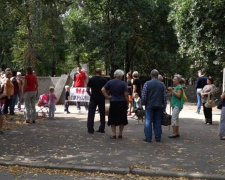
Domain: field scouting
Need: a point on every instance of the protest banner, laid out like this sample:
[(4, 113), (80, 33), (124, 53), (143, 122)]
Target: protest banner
[(79, 94)]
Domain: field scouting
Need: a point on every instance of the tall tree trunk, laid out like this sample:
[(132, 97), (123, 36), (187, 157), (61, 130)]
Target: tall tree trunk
[(29, 54)]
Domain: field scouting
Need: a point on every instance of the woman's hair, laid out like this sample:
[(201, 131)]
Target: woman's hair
[(118, 73), (29, 70), (66, 86), (135, 94), (211, 79), (129, 74), (8, 73), (51, 89), (135, 74), (179, 78)]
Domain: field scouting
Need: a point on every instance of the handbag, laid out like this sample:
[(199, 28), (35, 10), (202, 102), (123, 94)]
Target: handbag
[(220, 105), (184, 96), (166, 119), (210, 103)]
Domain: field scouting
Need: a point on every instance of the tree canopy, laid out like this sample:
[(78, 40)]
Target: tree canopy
[(55, 36)]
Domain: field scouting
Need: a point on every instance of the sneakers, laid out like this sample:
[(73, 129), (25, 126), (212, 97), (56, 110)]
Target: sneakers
[(66, 112)]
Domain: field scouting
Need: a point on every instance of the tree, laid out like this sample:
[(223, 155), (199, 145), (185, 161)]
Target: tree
[(200, 26)]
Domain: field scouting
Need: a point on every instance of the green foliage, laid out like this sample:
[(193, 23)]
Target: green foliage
[(199, 26)]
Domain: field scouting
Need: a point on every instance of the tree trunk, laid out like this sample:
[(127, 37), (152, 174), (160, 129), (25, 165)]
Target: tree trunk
[(29, 54)]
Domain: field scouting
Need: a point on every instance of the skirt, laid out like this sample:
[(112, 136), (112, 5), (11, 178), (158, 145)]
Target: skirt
[(222, 122), (117, 113)]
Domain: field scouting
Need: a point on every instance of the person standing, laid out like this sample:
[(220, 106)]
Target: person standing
[(67, 99), (208, 89), (222, 119), (118, 103), (15, 95), (52, 100), (130, 89), (79, 81), (20, 83), (137, 87), (176, 104), (200, 83), (153, 99), (9, 91), (94, 87), (30, 91)]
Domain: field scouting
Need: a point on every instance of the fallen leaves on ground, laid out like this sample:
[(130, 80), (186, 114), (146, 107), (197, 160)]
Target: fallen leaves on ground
[(19, 171)]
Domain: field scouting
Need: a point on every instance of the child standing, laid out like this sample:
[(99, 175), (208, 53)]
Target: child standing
[(52, 99), (67, 98), (137, 101)]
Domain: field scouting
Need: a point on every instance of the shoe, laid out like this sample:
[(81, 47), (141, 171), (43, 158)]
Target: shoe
[(33, 121), (120, 136), (112, 137), (157, 140), (1, 132), (173, 136), (222, 138), (91, 132), (78, 109), (146, 140), (68, 112), (27, 121), (20, 110), (100, 131), (129, 114)]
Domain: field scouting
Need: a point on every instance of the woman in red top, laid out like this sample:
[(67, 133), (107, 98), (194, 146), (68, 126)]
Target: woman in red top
[(30, 92)]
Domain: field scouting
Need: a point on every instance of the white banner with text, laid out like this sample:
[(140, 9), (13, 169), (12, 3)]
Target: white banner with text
[(79, 94)]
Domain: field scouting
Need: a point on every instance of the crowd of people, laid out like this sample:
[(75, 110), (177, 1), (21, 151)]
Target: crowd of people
[(124, 97)]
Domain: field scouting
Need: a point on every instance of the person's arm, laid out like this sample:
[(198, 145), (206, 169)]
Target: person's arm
[(144, 93), (126, 96), (104, 92), (24, 86), (88, 91), (223, 96), (37, 87), (178, 94)]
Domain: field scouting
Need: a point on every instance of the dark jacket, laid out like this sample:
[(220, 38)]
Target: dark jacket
[(201, 82), (155, 94)]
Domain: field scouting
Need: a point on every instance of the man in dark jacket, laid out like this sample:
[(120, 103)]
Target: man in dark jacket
[(94, 87), (153, 98), (200, 83)]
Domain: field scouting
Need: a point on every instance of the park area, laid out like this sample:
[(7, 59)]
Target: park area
[(64, 147)]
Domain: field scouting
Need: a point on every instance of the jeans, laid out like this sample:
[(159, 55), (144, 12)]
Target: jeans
[(13, 103), (153, 116), (51, 113), (66, 107), (91, 115), (29, 101), (199, 102), (18, 101), (85, 104)]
